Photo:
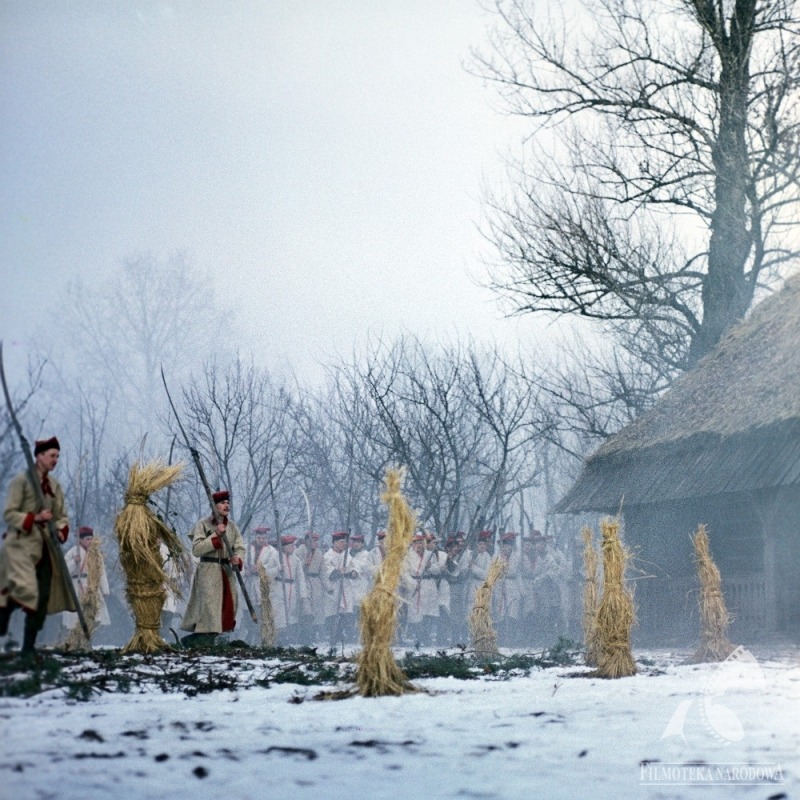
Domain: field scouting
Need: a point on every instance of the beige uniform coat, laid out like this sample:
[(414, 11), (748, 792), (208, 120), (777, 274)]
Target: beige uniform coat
[(289, 592), (340, 593), (204, 610), (22, 546), (507, 594), (420, 577), (313, 567)]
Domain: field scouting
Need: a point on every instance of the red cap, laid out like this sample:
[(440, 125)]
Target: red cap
[(508, 538), (85, 531), (311, 535), (381, 534), (261, 530), (221, 496), (337, 535), (357, 537), (288, 539), (43, 445), (485, 536)]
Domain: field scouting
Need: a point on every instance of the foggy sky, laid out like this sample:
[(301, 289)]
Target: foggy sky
[(322, 161)]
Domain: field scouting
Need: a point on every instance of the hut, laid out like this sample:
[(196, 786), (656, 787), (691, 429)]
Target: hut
[(721, 447)]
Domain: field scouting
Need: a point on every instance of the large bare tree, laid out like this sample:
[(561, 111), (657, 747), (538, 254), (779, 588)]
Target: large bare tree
[(662, 174)]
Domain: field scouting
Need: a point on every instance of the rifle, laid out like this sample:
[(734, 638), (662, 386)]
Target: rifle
[(51, 539), (201, 472)]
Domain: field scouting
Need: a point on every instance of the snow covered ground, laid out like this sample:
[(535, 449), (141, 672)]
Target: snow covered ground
[(672, 731)]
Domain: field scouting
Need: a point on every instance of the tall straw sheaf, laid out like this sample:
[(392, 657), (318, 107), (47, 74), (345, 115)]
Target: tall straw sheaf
[(140, 533), (484, 636), (714, 618), (616, 614), (378, 673)]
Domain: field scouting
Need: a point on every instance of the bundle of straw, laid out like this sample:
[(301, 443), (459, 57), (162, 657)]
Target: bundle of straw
[(377, 673), (89, 599), (590, 593), (140, 533), (269, 633), (714, 618), (484, 637), (615, 615)]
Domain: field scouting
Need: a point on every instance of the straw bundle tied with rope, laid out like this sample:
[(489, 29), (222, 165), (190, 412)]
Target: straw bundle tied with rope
[(89, 599), (377, 673), (269, 632), (590, 593), (714, 618), (616, 614), (140, 533), (484, 637)]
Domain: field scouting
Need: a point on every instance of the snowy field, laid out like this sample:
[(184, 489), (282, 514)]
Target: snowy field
[(672, 731)]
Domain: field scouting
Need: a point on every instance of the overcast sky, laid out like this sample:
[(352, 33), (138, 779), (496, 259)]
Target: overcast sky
[(322, 160)]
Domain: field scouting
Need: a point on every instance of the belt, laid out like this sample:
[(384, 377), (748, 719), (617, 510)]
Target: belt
[(214, 560), (312, 574), (285, 580)]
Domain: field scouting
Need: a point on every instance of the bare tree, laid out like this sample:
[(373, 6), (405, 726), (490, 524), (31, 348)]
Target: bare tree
[(668, 200), (146, 314), (240, 422)]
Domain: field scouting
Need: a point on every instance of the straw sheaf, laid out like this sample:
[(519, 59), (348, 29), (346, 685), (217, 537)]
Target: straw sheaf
[(269, 632), (484, 636), (714, 618), (140, 534), (748, 381), (615, 614), (378, 674), (590, 595)]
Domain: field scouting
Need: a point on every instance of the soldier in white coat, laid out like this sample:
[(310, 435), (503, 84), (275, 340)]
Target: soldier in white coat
[(450, 585), (507, 595), (290, 592), (340, 590), (77, 561), (421, 572), (312, 559)]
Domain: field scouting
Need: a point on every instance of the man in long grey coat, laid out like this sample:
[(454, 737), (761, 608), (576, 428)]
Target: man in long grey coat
[(214, 596), (29, 579)]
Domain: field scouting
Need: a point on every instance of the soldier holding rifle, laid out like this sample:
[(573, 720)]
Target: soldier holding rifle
[(28, 577), (214, 598)]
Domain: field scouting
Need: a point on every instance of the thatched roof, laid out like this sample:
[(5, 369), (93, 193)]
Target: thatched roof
[(730, 424)]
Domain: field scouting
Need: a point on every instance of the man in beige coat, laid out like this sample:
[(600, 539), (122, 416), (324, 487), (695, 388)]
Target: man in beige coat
[(214, 596), (29, 577)]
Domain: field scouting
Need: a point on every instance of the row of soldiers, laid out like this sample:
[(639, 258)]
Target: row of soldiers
[(315, 593)]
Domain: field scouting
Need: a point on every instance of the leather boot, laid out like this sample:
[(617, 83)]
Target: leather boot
[(29, 641), (5, 616)]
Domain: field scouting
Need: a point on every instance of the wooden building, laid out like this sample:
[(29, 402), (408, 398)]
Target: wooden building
[(721, 447)]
